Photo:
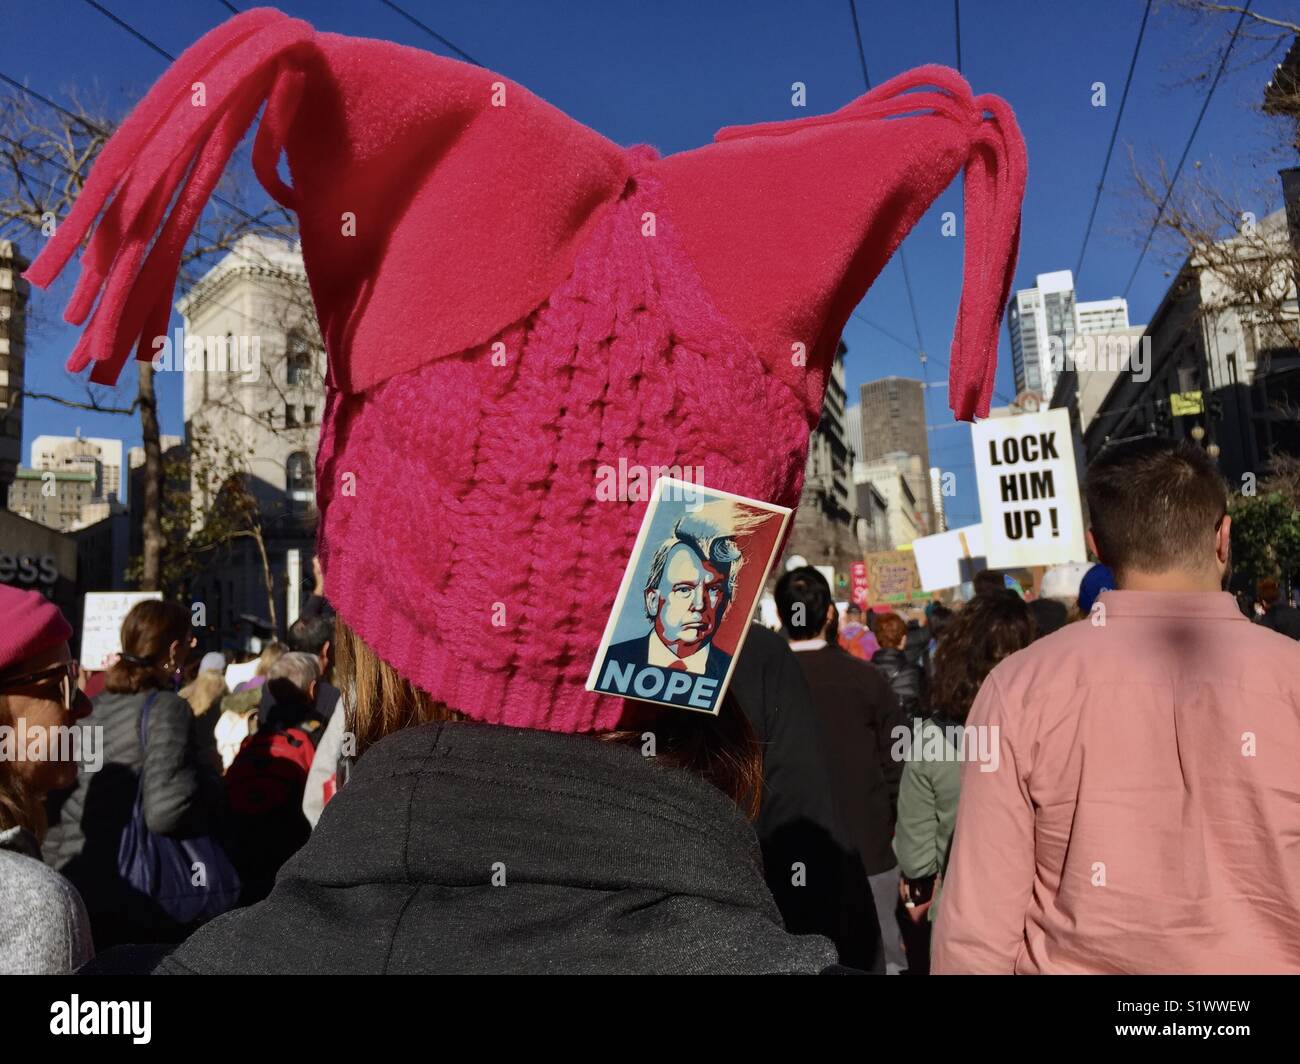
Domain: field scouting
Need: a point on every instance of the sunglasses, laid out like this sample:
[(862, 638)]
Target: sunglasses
[(65, 674)]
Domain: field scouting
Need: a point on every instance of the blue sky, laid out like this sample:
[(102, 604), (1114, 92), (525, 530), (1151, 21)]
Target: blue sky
[(671, 73)]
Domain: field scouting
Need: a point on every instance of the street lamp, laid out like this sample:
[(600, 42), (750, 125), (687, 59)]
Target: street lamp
[(1198, 433)]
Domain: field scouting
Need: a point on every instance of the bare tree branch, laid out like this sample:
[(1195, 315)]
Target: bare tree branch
[(90, 404)]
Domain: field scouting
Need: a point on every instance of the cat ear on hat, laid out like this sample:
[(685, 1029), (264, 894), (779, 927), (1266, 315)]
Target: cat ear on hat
[(790, 222), (432, 210)]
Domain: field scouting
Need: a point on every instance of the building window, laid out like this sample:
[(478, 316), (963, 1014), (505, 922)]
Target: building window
[(290, 418), (298, 358), (300, 478), (309, 415)]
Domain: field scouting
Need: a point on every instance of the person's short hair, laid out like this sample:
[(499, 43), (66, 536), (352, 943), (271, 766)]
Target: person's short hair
[(1268, 591), (1155, 504), (853, 607), (987, 582), (310, 634), (891, 629), (292, 675), (802, 599)]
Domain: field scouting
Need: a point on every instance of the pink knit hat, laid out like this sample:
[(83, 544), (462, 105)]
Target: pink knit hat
[(32, 624), (512, 304)]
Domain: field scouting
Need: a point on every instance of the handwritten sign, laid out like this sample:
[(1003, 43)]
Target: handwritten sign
[(892, 579), (101, 625)]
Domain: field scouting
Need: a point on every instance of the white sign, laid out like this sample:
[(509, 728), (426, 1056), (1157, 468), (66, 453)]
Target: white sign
[(101, 625), (950, 558), (237, 674), (1028, 488)]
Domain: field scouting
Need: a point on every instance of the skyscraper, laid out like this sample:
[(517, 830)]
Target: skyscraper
[(1103, 316), (893, 419), (893, 424), (1043, 323)]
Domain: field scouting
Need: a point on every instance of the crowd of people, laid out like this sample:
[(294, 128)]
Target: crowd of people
[(1102, 785)]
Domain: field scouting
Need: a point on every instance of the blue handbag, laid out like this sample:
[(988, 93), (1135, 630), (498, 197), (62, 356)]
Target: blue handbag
[(178, 882)]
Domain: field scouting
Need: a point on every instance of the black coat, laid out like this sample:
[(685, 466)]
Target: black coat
[(463, 848), (904, 678), (182, 797), (1284, 619), (798, 827), (860, 715)]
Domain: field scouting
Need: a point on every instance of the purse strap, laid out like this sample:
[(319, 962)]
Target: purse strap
[(144, 721), (144, 736)]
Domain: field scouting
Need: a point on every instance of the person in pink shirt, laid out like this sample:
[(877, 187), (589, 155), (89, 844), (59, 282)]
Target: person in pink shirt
[(1133, 804), (856, 637)]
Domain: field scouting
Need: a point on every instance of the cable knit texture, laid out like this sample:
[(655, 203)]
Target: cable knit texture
[(510, 301), (488, 496)]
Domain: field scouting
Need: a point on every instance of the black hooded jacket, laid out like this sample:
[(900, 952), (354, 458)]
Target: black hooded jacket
[(470, 848)]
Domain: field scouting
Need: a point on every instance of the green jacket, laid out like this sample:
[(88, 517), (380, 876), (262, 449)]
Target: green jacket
[(927, 806)]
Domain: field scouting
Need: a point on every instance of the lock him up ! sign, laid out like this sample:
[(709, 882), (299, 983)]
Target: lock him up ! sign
[(1029, 490)]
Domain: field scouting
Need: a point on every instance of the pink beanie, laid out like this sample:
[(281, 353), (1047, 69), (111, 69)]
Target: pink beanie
[(513, 305), (30, 624)]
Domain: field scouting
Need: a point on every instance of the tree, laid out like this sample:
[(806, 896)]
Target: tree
[(46, 153), (208, 502), (1265, 536)]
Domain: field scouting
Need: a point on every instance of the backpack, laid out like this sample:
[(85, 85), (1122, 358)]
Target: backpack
[(269, 773)]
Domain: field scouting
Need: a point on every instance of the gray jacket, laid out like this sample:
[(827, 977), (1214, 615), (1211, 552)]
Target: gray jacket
[(459, 848), (44, 929), (182, 797)]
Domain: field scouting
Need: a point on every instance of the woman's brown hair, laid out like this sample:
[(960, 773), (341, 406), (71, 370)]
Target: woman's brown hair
[(722, 750), (20, 806), (987, 629), (149, 630)]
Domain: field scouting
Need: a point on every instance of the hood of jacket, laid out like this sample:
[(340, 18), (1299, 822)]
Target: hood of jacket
[(889, 659), (476, 848)]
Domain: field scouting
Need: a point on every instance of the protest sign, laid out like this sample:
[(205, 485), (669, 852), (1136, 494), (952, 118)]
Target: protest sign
[(858, 584), (892, 579), (689, 590), (950, 558), (1028, 490), (241, 673), (101, 624)]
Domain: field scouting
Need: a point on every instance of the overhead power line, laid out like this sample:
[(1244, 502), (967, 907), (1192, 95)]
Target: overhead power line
[(956, 19), (1110, 148), (1188, 147), (431, 32)]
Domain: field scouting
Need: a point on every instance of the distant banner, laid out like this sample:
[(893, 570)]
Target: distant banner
[(858, 585), (892, 579), (101, 625), (1028, 489), (1184, 404)]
